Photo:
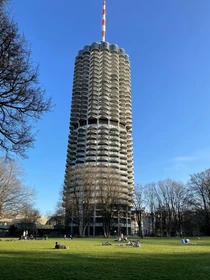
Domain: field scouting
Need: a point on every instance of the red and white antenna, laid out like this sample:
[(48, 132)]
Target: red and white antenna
[(104, 21)]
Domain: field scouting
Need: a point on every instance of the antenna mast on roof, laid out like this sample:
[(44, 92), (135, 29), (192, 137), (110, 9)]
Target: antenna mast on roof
[(104, 21)]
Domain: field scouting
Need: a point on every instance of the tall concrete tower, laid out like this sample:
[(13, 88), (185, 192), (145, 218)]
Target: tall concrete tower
[(101, 113)]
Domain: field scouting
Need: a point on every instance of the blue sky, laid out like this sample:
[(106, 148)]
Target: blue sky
[(168, 43)]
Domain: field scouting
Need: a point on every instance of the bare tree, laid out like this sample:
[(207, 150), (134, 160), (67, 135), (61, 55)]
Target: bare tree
[(78, 196), (173, 200), (59, 215), (92, 191), (139, 206), (151, 202), (22, 98), (29, 216), (110, 198), (13, 194), (199, 184)]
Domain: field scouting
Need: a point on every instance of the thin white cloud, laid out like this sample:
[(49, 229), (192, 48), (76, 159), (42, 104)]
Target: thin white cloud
[(180, 167), (184, 159), (196, 156)]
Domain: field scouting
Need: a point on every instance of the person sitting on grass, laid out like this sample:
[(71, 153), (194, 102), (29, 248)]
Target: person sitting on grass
[(118, 239), (137, 244), (125, 238), (59, 246), (129, 244), (106, 244)]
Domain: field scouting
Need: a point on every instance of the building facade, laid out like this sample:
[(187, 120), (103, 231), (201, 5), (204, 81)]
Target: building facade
[(101, 115)]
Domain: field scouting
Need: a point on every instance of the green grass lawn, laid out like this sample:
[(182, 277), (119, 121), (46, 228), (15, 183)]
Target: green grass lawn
[(87, 259)]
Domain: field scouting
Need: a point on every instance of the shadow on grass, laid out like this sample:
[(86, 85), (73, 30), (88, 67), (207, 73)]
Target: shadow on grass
[(63, 264)]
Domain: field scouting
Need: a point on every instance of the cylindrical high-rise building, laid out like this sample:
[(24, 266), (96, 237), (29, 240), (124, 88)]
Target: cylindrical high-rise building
[(101, 116)]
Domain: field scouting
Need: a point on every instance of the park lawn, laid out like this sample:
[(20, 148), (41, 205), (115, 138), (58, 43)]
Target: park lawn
[(157, 258)]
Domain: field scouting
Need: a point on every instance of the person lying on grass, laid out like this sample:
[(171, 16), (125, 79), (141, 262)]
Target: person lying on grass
[(59, 246), (131, 244), (106, 244), (186, 241)]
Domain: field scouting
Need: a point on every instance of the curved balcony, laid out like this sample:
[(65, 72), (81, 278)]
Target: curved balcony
[(130, 173), (90, 153), (92, 134), (114, 143), (80, 154), (76, 89), (81, 139), (106, 59), (70, 162), (95, 65), (123, 177), (80, 149), (103, 146), (123, 172), (103, 129), (114, 138), (122, 117), (71, 154), (90, 160), (102, 153), (102, 140), (114, 149), (92, 105), (91, 139), (105, 101), (92, 130), (123, 133), (114, 135), (102, 158), (113, 152), (123, 162), (84, 101), (129, 124), (93, 115), (114, 159), (114, 104), (130, 165), (81, 145), (104, 96), (73, 136), (74, 120), (123, 156), (103, 113), (75, 107), (123, 168), (123, 142), (81, 136), (83, 116), (80, 160), (103, 134), (123, 152), (91, 142), (104, 91), (114, 116), (74, 116), (113, 164)]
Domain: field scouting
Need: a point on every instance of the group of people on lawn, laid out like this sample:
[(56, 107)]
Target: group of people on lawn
[(122, 237), (185, 241)]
